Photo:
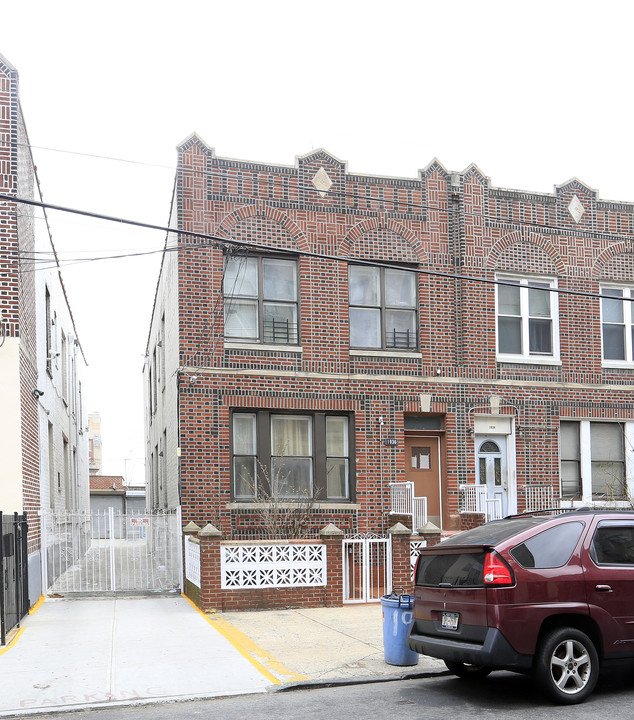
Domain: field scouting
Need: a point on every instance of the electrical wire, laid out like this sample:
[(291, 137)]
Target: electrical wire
[(394, 202), (214, 240)]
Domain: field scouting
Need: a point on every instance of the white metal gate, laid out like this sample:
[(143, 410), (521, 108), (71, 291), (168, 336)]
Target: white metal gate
[(367, 568), (107, 551)]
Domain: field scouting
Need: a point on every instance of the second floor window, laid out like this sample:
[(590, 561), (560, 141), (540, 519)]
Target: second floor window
[(617, 324), (527, 319), (260, 297), (383, 304)]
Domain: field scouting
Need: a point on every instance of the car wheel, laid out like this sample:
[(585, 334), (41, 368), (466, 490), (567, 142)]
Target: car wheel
[(466, 671), (567, 665)]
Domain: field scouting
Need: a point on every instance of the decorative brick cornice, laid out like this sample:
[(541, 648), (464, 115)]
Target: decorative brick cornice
[(194, 140), (624, 247), (264, 210), (382, 222), (525, 236)]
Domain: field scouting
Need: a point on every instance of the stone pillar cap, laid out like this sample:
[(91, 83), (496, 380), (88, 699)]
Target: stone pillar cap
[(331, 531), (210, 531), (191, 528), (399, 529)]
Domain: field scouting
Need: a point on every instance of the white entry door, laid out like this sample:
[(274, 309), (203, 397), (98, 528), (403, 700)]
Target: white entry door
[(492, 471)]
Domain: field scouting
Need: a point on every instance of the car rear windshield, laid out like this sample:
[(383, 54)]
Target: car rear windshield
[(459, 569)]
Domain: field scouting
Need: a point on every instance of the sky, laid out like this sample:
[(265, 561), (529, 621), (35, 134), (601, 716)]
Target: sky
[(533, 93)]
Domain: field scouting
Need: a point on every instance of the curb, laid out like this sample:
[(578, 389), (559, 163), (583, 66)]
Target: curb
[(315, 684)]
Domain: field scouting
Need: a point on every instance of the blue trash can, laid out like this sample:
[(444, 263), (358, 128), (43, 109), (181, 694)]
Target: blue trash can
[(397, 620)]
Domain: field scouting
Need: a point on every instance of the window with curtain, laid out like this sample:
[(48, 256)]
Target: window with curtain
[(570, 459), (608, 460), (593, 459), (285, 455)]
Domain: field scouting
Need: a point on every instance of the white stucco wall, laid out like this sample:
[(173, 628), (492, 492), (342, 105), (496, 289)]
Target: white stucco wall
[(10, 427), (64, 467), (161, 417)]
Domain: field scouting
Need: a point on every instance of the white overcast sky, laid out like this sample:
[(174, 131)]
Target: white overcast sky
[(532, 93)]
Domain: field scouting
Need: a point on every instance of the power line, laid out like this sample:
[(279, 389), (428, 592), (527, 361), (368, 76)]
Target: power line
[(380, 201), (210, 240), (87, 155)]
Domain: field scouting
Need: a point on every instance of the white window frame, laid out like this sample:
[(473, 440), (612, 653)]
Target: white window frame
[(628, 322), (525, 357), (585, 461)]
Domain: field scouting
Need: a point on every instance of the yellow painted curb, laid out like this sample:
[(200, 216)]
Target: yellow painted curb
[(37, 605), (8, 647), (18, 634), (263, 662)]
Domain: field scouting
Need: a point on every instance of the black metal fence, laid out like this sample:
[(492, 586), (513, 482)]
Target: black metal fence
[(14, 573)]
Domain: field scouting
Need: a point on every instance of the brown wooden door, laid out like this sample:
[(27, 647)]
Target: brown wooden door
[(422, 467)]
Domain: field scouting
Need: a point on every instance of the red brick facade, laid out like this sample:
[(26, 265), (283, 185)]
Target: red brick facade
[(458, 386), (17, 289)]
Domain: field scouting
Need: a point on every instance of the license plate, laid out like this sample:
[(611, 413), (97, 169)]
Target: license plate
[(450, 620)]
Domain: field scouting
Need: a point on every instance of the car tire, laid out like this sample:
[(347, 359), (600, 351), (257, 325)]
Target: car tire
[(567, 666), (467, 671)]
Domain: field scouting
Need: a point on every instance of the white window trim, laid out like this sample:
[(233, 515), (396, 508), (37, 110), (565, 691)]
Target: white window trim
[(278, 347), (628, 321), (526, 358), (385, 353), (586, 464)]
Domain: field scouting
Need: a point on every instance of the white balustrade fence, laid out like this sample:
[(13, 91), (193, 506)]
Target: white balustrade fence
[(272, 565), (414, 548)]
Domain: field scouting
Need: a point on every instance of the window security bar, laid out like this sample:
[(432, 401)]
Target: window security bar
[(402, 339), (280, 331)]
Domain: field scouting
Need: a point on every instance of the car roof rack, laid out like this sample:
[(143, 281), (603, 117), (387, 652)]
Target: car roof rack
[(552, 511), (560, 511)]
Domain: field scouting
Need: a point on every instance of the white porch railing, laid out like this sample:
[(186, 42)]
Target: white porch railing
[(473, 499), (404, 502), (539, 497)]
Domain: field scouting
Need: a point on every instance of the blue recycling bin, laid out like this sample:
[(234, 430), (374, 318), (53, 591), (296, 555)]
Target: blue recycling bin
[(397, 620)]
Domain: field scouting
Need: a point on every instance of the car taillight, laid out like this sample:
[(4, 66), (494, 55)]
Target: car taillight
[(496, 571)]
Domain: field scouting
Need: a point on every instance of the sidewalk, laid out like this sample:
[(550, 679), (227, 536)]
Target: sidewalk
[(327, 644), (73, 654)]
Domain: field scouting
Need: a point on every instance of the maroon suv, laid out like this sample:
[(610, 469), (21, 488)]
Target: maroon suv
[(550, 595)]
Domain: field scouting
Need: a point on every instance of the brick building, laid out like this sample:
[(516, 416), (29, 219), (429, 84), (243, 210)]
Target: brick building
[(432, 349), (43, 451)]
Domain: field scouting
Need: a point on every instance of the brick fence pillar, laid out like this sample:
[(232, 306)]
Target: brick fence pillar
[(210, 592), (401, 563), (332, 538)]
